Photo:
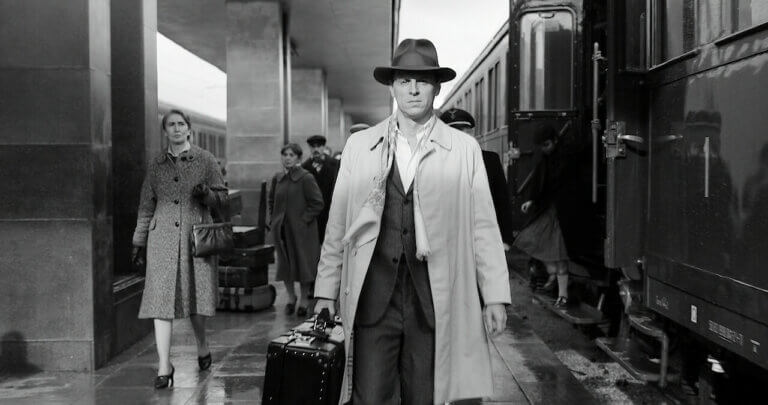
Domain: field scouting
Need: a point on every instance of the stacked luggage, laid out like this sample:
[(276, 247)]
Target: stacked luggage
[(244, 274)]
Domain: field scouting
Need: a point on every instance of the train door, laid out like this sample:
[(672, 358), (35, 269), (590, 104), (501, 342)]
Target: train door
[(624, 138), (544, 92)]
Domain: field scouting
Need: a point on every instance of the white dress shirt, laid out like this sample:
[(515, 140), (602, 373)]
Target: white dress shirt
[(407, 159)]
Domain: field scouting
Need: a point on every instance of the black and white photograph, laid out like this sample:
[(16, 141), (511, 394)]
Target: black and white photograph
[(382, 202)]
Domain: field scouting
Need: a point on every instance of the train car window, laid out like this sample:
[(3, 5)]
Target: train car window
[(468, 101), (546, 60), (742, 14), (635, 38), (479, 121), (709, 20), (674, 29), (493, 96)]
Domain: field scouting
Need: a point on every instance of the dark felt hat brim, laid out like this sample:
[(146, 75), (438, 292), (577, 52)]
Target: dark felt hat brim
[(384, 74)]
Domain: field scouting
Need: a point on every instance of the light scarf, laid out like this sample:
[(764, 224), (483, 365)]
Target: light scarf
[(373, 207)]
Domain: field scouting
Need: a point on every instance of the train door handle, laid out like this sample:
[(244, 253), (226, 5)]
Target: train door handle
[(667, 138), (631, 138), (614, 138)]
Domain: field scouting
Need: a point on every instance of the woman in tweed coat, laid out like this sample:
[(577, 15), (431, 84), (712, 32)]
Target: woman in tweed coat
[(294, 202), (181, 187)]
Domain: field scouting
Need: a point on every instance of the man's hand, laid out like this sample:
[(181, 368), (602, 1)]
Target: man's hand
[(513, 153), (495, 316), (324, 303)]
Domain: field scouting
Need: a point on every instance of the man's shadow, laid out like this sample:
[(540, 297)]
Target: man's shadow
[(13, 357)]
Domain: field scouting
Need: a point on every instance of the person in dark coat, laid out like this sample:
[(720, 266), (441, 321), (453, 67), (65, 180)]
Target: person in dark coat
[(295, 202), (542, 237), (463, 121), (182, 186), (325, 170)]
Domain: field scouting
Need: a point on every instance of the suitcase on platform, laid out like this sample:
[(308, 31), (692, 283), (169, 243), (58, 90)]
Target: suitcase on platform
[(250, 257), (247, 236), (246, 299), (306, 365), (243, 277)]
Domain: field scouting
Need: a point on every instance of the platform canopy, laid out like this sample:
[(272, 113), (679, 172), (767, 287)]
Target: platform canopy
[(345, 38)]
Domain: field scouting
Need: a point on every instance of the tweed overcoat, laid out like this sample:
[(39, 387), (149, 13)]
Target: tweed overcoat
[(466, 261), (177, 284), (294, 202)]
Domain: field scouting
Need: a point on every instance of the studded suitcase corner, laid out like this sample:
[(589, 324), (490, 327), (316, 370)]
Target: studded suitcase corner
[(304, 367)]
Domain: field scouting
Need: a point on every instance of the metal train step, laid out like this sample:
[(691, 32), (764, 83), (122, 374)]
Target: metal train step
[(627, 353), (579, 314)]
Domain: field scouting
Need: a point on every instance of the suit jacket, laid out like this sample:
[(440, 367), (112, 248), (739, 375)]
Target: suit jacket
[(326, 180), (499, 194)]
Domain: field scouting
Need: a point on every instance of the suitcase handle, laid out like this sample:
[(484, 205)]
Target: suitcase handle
[(322, 321)]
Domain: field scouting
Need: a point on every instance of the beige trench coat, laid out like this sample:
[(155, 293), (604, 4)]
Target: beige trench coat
[(467, 253)]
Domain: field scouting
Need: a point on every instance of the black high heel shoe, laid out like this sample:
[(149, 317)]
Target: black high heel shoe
[(165, 381), (204, 362)]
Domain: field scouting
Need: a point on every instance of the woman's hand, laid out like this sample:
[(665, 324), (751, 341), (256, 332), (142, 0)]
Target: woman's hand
[(200, 191), (138, 258), (526, 206)]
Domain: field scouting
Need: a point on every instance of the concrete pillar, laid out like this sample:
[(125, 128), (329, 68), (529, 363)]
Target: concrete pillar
[(255, 98), (135, 139), (309, 106), (56, 197), (335, 125)]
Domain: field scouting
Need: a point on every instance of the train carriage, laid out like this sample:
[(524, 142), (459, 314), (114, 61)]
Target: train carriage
[(660, 106)]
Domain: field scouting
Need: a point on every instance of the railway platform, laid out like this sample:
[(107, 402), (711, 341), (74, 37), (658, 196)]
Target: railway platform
[(525, 369)]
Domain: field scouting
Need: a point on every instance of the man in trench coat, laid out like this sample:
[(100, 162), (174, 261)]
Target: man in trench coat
[(411, 246)]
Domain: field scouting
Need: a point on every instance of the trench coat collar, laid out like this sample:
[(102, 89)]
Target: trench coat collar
[(295, 174), (194, 152)]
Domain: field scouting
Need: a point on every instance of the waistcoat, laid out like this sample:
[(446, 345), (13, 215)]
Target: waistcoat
[(397, 240)]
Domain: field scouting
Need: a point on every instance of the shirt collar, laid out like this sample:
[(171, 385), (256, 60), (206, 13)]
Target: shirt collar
[(421, 131), (187, 147)]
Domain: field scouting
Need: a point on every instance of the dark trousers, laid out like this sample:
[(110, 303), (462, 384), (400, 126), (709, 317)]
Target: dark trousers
[(394, 358)]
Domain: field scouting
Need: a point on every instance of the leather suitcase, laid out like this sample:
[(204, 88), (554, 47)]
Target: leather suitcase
[(250, 257), (243, 277), (306, 365), (247, 236), (246, 299)]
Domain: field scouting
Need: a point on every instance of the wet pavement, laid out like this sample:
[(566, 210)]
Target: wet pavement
[(525, 369)]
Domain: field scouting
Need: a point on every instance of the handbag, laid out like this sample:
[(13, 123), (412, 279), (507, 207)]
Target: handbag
[(215, 238)]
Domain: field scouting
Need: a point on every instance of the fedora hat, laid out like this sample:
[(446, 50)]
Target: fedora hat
[(414, 55)]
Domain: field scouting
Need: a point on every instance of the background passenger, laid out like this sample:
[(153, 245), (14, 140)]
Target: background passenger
[(179, 191), (542, 238), (325, 170), (463, 121), (294, 203)]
